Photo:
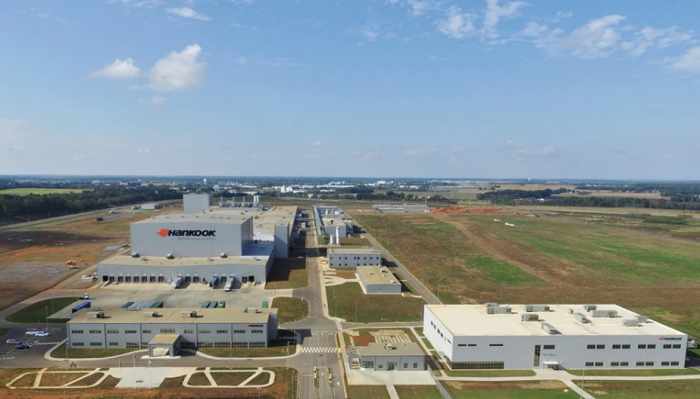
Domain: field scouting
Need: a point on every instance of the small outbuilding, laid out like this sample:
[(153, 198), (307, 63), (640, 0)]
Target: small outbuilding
[(163, 345), (378, 280), (378, 356)]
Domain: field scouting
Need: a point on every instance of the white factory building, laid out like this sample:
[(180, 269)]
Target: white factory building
[(203, 243), (353, 256), (495, 336)]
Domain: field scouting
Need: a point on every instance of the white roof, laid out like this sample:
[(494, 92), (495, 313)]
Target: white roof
[(472, 320)]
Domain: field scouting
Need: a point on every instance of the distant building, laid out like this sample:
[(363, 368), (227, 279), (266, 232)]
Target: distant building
[(388, 208), (378, 356), (353, 257), (378, 280), (151, 206)]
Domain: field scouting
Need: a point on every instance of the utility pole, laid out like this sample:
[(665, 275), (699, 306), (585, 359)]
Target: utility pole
[(355, 311), (438, 289), (64, 386), (583, 379), (46, 310)]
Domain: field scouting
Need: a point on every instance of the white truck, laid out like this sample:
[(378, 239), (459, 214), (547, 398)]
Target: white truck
[(229, 285)]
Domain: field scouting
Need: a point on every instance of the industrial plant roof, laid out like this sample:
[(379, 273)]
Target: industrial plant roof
[(377, 275), (163, 339), (173, 316), (396, 349), (353, 251), (200, 218), (255, 253), (472, 320), (263, 221)]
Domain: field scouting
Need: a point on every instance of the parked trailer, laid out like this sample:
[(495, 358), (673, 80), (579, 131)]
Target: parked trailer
[(206, 305), (222, 304), (126, 305), (177, 282), (213, 282), (157, 305), (229, 285), (84, 305), (214, 305)]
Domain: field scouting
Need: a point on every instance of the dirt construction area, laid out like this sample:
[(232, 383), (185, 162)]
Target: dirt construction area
[(476, 257), (33, 258)]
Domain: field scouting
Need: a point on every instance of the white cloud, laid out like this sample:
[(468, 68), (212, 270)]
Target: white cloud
[(510, 143), (688, 62), (78, 157), (241, 2), (416, 7), (494, 12), (154, 101), (370, 155), (412, 153), (319, 143), (313, 155), (240, 26), (138, 3), (564, 15), (118, 70), (186, 12), (547, 151), (596, 39), (659, 38), (143, 150), (178, 71), (456, 24), (436, 58)]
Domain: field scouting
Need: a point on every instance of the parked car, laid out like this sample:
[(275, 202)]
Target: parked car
[(32, 332), (86, 296), (13, 341), (23, 346), (42, 334)]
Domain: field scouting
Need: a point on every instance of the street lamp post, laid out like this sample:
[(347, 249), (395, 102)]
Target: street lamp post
[(355, 311), (583, 380), (259, 389), (46, 310), (64, 386)]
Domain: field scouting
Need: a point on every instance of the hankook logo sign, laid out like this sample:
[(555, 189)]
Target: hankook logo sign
[(186, 233), (670, 339)]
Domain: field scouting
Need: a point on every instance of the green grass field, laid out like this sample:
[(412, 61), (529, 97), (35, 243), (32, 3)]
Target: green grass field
[(371, 308), (643, 389), (418, 392), (41, 191), (287, 273), (510, 390), (276, 347), (489, 373), (636, 373), (60, 352), (290, 309), (36, 312), (367, 392)]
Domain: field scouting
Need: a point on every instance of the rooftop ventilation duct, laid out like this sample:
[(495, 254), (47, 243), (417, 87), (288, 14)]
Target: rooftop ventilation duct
[(134, 254), (590, 307), (630, 323), (169, 256), (529, 317), (549, 329), (223, 255)]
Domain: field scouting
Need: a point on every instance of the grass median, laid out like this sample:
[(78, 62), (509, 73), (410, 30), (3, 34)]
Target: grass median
[(37, 312), (290, 309), (636, 373), (60, 352), (278, 347), (371, 308)]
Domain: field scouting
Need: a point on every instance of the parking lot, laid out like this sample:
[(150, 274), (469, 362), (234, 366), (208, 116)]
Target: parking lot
[(39, 345)]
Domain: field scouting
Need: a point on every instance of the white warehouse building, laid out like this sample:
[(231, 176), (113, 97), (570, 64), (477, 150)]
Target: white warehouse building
[(551, 336)]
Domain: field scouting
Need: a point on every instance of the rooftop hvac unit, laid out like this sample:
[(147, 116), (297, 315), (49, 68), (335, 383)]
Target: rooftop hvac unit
[(95, 315), (590, 307), (604, 313), (188, 313), (150, 314), (498, 310), (170, 256), (581, 318), (537, 308), (491, 305), (134, 254), (642, 319), (529, 317), (549, 329), (223, 255), (630, 323)]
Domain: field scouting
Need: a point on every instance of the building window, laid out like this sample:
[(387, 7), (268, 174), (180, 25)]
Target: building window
[(239, 331), (651, 346), (366, 364), (548, 347), (477, 365), (405, 365), (600, 346), (112, 331), (665, 363), (95, 331), (256, 344), (222, 344), (129, 331), (495, 344), (617, 346), (649, 364), (256, 331), (222, 331), (76, 331), (167, 331), (78, 344), (614, 364), (624, 364), (189, 332), (381, 366), (205, 331), (146, 331), (674, 363), (641, 346), (625, 346), (113, 344), (590, 346), (461, 344), (130, 345), (599, 364), (640, 364), (667, 346), (471, 345), (677, 346), (589, 364), (95, 343), (415, 365)]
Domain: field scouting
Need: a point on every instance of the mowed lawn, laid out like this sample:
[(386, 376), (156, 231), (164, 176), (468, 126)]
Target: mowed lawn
[(510, 390), (371, 308), (290, 309), (643, 389), (36, 312), (418, 392), (287, 273)]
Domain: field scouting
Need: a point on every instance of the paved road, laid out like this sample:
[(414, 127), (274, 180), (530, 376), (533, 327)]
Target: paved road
[(427, 295)]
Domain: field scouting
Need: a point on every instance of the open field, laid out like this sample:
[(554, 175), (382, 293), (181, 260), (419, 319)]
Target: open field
[(636, 373), (290, 309), (277, 347), (547, 259), (287, 273), (367, 392), (371, 308), (60, 352), (418, 392), (609, 194), (36, 312), (33, 258), (643, 389), (509, 390), (41, 191)]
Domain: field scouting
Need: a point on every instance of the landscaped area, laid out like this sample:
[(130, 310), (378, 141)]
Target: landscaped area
[(418, 392), (287, 273), (36, 312), (636, 373), (343, 298), (643, 389), (278, 347), (367, 392), (510, 390), (60, 352), (41, 191), (290, 309)]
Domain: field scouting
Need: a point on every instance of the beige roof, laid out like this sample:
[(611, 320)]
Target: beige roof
[(164, 339), (472, 320), (396, 349), (265, 221), (377, 275), (173, 315), (353, 251), (204, 217)]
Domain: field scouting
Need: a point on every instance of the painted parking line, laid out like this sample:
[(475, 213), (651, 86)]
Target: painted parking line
[(316, 349), (45, 343), (7, 358)]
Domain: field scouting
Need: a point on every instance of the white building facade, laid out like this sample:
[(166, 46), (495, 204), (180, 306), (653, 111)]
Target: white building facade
[(562, 336)]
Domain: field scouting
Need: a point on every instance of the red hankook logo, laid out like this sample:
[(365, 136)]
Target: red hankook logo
[(163, 232)]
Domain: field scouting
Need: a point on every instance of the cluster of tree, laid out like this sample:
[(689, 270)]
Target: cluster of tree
[(40, 206), (678, 192), (6, 184), (509, 196)]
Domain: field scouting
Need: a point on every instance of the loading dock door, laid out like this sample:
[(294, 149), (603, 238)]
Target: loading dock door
[(161, 279), (152, 279), (244, 279), (188, 279), (137, 279), (251, 279)]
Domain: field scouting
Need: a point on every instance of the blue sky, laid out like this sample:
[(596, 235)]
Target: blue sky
[(400, 88)]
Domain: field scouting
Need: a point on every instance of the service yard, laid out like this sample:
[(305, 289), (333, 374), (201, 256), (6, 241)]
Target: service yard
[(33, 258), (546, 259)]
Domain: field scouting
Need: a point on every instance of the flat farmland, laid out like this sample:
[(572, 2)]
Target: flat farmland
[(41, 191), (545, 260), (33, 258)]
